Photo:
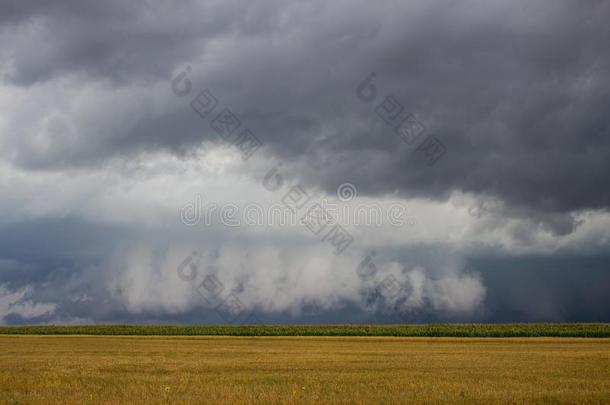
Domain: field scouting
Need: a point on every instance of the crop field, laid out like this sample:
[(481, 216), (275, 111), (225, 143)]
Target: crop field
[(441, 330), (232, 369)]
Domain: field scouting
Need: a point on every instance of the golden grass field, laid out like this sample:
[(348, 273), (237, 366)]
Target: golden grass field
[(147, 369)]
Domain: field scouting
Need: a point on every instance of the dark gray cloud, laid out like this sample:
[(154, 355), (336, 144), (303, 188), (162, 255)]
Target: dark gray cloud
[(517, 92)]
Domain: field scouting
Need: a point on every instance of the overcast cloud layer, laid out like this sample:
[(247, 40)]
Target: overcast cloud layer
[(102, 156)]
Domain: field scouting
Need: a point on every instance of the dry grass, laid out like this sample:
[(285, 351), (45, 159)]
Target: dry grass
[(104, 369)]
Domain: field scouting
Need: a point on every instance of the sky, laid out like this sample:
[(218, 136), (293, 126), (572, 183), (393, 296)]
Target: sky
[(287, 161)]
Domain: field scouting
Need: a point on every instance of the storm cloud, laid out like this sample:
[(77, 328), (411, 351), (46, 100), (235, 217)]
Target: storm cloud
[(99, 143)]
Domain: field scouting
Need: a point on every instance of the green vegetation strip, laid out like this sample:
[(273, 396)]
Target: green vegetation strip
[(452, 330)]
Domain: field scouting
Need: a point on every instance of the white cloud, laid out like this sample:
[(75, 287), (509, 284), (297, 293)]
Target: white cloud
[(16, 303)]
